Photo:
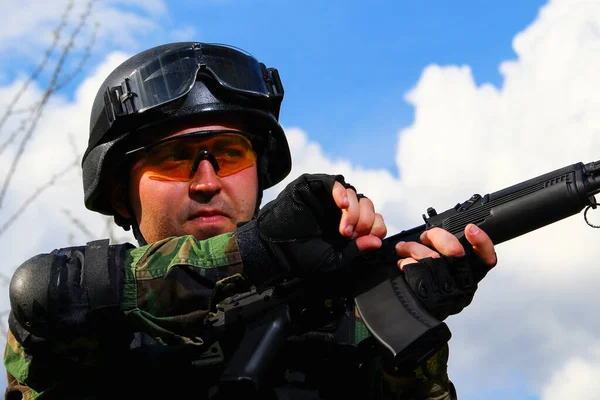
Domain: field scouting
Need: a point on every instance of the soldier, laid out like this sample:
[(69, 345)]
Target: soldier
[(183, 140)]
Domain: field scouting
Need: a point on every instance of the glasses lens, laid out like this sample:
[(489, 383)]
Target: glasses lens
[(174, 158)]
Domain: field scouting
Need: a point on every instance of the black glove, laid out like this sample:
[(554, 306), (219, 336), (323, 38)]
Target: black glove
[(297, 233), (446, 285)]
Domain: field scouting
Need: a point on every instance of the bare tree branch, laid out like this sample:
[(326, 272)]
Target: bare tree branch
[(46, 96), (56, 33), (22, 126), (4, 323), (86, 55), (77, 222), (32, 109), (73, 144), (4, 280), (35, 195), (30, 117), (24, 110)]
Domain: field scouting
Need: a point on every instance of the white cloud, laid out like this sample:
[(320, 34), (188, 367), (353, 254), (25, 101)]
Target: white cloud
[(121, 24), (45, 225), (578, 379), (529, 318), (308, 157), (49, 151)]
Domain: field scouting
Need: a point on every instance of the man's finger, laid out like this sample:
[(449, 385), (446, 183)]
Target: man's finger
[(379, 228), (350, 214), (368, 242), (414, 250), (405, 261), (443, 241), (366, 217), (339, 196), (482, 244)]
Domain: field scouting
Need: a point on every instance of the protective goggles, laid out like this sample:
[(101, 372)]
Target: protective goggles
[(172, 75), (177, 158)]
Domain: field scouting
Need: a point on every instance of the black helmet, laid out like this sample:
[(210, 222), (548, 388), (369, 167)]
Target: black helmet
[(174, 83)]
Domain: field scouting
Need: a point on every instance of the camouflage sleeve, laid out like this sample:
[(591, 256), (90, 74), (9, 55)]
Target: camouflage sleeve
[(169, 288), (14, 357), (172, 285)]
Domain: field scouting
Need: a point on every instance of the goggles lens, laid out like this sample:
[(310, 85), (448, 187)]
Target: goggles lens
[(177, 158), (172, 75)]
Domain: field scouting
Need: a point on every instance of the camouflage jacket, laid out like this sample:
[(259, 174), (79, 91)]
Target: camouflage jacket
[(170, 288)]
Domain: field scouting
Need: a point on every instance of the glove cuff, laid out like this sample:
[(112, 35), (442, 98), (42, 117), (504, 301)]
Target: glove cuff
[(256, 258)]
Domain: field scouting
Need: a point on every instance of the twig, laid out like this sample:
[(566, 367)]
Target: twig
[(4, 323), (77, 222), (35, 195), (14, 134), (58, 86), (86, 55), (49, 91), (24, 110), (41, 65), (73, 144), (4, 279)]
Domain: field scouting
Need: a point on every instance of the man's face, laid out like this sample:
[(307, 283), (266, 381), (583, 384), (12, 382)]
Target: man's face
[(205, 206)]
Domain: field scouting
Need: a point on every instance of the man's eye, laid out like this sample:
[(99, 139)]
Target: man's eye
[(233, 153), (169, 165), (230, 152), (181, 155)]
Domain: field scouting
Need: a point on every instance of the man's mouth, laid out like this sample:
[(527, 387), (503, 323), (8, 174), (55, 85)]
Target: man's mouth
[(208, 215)]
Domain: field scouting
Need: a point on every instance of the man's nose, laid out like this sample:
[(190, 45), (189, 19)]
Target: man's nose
[(205, 179)]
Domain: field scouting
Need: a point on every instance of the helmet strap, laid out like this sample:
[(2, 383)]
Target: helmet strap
[(132, 220), (135, 227), (259, 196)]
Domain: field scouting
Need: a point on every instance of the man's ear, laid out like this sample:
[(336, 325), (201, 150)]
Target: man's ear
[(119, 199)]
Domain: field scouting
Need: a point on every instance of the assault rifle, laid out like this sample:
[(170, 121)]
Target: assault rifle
[(405, 331)]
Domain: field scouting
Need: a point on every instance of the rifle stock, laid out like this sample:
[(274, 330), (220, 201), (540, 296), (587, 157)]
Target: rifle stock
[(407, 332)]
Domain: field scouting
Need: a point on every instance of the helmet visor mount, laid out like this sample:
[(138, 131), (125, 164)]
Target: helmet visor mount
[(172, 75)]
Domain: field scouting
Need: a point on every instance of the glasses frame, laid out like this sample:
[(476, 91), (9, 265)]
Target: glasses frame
[(203, 154)]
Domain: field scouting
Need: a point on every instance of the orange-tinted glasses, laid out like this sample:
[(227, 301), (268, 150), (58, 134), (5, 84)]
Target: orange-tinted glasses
[(177, 158)]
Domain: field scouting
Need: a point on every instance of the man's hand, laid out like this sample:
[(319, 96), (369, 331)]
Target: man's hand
[(359, 220), (442, 273), (317, 224), (437, 241)]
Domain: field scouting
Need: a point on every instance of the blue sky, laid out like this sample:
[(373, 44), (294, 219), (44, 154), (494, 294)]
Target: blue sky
[(408, 101), (346, 65), (342, 59)]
